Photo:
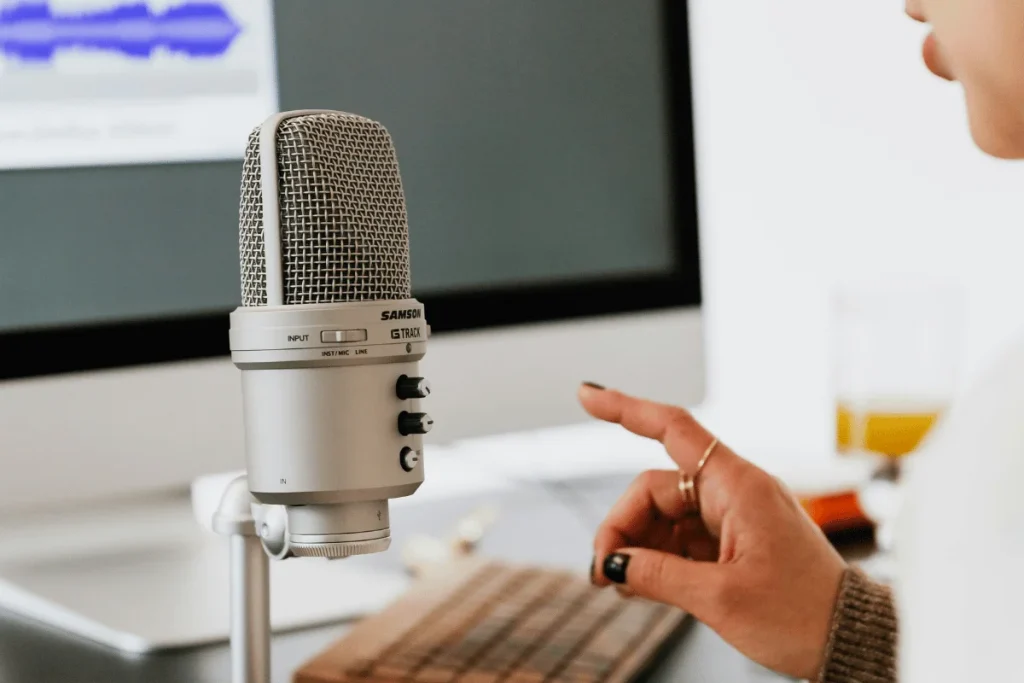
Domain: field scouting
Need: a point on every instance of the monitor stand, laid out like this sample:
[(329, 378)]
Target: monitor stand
[(145, 576)]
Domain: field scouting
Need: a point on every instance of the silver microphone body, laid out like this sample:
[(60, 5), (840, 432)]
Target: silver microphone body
[(328, 338)]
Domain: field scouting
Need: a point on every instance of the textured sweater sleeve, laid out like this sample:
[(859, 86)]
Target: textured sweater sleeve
[(862, 644)]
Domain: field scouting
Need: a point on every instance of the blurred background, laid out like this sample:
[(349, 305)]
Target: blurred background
[(826, 153)]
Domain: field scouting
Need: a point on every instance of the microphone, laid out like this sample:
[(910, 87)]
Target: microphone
[(328, 337)]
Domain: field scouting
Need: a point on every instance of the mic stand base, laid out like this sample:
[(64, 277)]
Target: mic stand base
[(250, 585)]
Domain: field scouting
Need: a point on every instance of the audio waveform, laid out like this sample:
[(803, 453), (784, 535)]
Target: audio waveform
[(33, 32)]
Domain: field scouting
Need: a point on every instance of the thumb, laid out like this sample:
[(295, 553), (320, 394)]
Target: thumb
[(687, 584)]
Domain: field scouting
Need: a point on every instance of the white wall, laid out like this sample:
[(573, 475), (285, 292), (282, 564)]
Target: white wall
[(826, 150)]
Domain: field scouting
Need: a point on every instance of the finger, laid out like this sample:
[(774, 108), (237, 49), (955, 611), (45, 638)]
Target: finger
[(605, 542), (689, 585), (695, 542), (645, 515), (651, 497), (684, 438), (650, 514)]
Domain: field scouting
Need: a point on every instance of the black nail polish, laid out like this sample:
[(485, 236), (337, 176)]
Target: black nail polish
[(594, 385), (593, 561), (615, 567)]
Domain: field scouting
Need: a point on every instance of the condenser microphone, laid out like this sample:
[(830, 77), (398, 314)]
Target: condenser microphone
[(328, 337)]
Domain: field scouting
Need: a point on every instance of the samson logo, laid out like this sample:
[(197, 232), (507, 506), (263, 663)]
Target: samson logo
[(404, 314)]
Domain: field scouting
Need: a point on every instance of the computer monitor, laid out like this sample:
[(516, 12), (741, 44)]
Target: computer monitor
[(546, 151)]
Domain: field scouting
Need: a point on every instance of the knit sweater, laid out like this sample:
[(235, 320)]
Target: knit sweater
[(862, 643)]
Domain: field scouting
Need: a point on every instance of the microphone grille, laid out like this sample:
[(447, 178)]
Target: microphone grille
[(344, 229)]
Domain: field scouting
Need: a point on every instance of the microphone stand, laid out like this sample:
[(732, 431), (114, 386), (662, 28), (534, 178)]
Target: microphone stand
[(250, 585)]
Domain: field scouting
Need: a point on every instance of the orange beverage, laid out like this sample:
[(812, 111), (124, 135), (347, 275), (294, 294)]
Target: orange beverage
[(892, 430)]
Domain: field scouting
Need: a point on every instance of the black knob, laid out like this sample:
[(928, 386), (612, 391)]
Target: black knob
[(412, 387), (409, 459), (414, 423)]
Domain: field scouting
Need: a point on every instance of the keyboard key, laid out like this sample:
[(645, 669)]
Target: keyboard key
[(570, 637), (611, 642), (529, 633), (366, 647), (497, 622), (424, 639)]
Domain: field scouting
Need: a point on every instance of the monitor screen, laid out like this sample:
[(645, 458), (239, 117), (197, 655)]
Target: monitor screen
[(546, 153), (531, 138)]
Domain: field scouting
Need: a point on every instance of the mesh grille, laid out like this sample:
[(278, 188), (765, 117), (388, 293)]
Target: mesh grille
[(344, 231)]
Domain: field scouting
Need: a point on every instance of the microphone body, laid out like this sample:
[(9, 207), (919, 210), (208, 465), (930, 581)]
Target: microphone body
[(328, 338)]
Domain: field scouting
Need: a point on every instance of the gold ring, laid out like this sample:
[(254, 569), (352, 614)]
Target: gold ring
[(688, 485)]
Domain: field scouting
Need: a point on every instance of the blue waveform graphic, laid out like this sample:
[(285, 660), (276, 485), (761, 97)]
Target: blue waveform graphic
[(32, 32)]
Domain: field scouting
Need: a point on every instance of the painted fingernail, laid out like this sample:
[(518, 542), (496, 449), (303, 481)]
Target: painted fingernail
[(593, 561), (615, 567), (594, 385)]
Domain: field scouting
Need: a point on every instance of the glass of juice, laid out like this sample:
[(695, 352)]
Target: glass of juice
[(897, 355)]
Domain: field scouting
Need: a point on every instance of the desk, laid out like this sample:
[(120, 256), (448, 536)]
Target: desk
[(549, 524)]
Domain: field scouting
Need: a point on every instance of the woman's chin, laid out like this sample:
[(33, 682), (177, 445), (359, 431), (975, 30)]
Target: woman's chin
[(998, 141)]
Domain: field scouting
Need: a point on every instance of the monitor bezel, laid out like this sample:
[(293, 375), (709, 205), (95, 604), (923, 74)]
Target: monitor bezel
[(82, 348)]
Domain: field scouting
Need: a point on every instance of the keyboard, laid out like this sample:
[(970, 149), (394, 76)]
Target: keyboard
[(476, 621)]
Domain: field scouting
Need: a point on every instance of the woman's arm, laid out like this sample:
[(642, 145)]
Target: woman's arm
[(862, 643), (753, 566)]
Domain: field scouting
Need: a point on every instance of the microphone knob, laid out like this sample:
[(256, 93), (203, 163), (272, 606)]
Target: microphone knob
[(409, 458), (412, 387), (414, 423)]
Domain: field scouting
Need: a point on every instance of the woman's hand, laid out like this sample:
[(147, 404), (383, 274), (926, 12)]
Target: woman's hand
[(754, 568)]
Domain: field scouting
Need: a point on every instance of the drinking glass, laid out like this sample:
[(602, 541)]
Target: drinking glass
[(897, 357)]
